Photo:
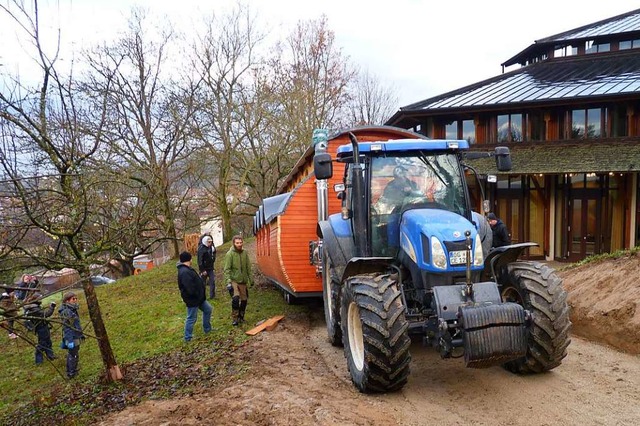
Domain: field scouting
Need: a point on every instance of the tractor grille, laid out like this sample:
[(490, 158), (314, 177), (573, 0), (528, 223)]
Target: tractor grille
[(455, 245)]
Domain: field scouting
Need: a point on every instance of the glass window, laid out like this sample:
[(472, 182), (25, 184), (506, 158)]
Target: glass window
[(624, 45), (509, 128), (594, 125), (516, 128), (503, 128), (604, 47), (451, 130), (577, 124), (635, 43), (590, 47), (469, 131)]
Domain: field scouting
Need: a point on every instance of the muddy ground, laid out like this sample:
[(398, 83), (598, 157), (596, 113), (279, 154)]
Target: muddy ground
[(298, 378)]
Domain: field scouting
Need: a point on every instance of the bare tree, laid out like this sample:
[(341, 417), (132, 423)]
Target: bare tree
[(225, 58), (44, 151), (371, 102), (150, 107)]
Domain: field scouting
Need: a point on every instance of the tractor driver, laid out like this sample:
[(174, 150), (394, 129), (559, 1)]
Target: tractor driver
[(399, 187)]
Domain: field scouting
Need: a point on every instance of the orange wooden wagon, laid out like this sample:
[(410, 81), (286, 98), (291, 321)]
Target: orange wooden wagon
[(285, 224)]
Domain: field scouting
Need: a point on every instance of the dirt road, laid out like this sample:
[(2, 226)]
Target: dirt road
[(298, 378)]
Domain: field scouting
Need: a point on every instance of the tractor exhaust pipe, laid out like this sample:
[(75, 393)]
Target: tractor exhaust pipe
[(320, 142)]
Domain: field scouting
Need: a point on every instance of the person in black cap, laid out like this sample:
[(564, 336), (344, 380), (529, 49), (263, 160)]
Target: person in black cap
[(501, 235), (192, 290)]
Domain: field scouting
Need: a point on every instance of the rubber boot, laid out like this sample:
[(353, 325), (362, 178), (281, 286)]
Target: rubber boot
[(243, 307), (235, 309)]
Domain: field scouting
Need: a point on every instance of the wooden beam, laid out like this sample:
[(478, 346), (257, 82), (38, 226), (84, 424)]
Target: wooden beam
[(268, 325)]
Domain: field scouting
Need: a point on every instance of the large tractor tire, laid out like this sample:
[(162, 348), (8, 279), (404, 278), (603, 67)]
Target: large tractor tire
[(539, 290), (375, 333), (331, 298)]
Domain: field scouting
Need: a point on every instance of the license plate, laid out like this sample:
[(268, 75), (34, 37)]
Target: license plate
[(458, 257)]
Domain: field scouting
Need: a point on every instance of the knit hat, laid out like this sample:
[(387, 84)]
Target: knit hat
[(185, 256), (68, 295), (492, 216)]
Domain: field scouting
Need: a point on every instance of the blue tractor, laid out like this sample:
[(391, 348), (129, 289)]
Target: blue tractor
[(407, 256)]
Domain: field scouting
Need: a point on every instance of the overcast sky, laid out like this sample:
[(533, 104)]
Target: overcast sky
[(421, 48)]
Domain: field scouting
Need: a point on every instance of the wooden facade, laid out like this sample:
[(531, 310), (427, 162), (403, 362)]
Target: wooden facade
[(283, 233)]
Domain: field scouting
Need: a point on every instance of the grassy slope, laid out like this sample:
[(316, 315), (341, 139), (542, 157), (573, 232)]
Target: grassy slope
[(144, 317)]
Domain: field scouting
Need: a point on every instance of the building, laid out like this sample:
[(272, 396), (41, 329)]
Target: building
[(568, 107)]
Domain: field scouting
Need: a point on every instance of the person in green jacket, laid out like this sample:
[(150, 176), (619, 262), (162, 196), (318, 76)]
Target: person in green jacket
[(237, 274)]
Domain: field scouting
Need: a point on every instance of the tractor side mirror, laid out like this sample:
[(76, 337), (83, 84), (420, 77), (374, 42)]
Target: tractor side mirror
[(503, 159), (322, 166)]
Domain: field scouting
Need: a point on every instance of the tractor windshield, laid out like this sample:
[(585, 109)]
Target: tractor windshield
[(422, 181)]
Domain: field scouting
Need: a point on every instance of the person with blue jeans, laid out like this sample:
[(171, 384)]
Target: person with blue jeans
[(192, 291)]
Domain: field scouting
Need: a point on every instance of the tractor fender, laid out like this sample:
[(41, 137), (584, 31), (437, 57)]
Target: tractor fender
[(366, 265), (339, 247), (499, 257)]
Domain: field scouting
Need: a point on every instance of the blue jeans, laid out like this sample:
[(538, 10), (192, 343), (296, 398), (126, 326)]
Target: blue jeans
[(192, 317)]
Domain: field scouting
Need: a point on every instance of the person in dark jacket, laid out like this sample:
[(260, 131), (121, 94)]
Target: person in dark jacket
[(72, 333), (501, 235), (35, 315), (237, 274), (206, 260), (193, 294)]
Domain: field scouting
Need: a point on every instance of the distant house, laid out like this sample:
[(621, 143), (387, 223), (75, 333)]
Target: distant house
[(570, 113)]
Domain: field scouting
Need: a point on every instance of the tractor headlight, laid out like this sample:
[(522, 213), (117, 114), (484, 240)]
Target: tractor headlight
[(478, 257), (438, 257)]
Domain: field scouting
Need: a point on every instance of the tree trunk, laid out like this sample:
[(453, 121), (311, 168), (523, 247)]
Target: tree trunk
[(109, 360)]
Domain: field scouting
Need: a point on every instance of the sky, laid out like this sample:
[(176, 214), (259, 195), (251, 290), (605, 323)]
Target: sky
[(419, 48)]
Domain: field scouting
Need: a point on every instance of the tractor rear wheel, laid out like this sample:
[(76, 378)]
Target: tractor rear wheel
[(539, 290), (375, 333), (331, 299)]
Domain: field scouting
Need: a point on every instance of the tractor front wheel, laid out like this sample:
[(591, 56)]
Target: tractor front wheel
[(375, 333), (539, 290), (331, 299)]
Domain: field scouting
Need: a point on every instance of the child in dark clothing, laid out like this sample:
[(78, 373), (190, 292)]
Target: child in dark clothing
[(35, 314), (71, 331)]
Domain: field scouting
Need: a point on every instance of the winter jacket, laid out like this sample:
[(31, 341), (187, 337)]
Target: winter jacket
[(237, 267), (206, 257), (500, 234), (37, 315), (71, 329), (191, 286)]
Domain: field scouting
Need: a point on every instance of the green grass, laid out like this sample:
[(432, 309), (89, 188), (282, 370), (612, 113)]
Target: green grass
[(144, 317), (604, 256)]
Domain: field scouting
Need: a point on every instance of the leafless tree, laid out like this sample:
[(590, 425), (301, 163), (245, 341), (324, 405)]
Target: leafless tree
[(45, 145), (371, 102), (150, 106), (225, 58)]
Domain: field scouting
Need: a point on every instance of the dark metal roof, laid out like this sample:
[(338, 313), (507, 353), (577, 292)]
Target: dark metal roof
[(620, 27), (627, 22), (588, 156), (551, 81)]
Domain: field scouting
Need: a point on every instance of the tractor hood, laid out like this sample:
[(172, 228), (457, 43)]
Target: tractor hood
[(443, 224), (419, 226)]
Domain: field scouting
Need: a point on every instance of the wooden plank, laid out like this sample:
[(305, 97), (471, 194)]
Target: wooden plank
[(268, 325)]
